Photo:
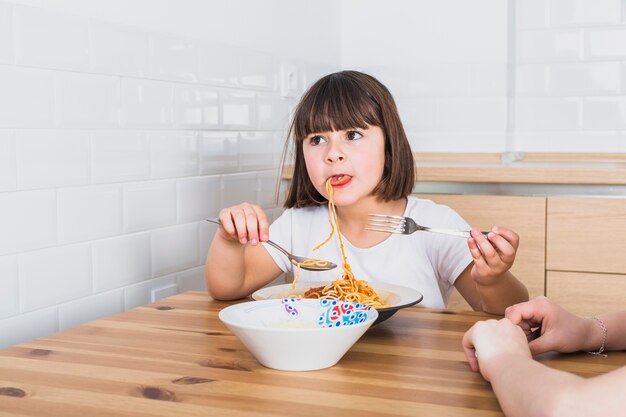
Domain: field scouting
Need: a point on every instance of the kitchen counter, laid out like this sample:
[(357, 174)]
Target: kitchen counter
[(175, 358)]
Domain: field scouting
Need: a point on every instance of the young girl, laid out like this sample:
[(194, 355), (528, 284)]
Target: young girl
[(347, 130)]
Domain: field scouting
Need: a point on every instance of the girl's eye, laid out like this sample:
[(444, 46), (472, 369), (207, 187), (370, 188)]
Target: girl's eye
[(354, 135), (316, 140)]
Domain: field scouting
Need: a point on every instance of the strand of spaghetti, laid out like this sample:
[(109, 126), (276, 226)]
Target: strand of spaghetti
[(329, 190)]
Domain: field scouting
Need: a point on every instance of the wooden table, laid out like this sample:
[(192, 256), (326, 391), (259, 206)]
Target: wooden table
[(175, 358)]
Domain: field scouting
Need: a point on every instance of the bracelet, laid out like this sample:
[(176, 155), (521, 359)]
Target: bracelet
[(600, 351)]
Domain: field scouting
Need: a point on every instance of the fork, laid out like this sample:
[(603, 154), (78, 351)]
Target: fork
[(406, 226)]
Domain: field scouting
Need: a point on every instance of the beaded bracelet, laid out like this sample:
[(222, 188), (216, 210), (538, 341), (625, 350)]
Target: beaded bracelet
[(600, 351)]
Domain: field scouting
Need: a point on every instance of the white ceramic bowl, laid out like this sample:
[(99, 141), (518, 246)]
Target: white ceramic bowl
[(293, 334)]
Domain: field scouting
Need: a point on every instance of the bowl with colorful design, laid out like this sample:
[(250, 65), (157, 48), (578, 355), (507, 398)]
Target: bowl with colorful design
[(294, 334)]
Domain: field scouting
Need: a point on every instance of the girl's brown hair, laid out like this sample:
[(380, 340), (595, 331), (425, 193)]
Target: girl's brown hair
[(348, 100)]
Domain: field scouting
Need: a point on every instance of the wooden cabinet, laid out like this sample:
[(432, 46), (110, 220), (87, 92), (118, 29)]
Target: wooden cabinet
[(525, 215), (586, 253)]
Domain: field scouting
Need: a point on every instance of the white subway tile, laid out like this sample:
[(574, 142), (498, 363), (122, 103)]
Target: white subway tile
[(9, 296), (467, 142), (239, 188), (198, 198), (589, 142), (173, 154), (273, 112), (6, 33), (218, 63), (196, 107), (118, 49), (28, 326), (606, 43), (8, 170), (584, 12), (550, 45), (55, 275), (531, 13), (87, 213), (594, 78), (19, 87), (472, 114), (488, 79), (174, 249), (120, 156), (191, 280), (87, 100), (90, 308), (547, 114), (604, 113), (173, 57), (531, 80), (268, 182), (139, 294), (418, 113), (258, 70), (120, 261), (256, 151), (146, 103), (52, 158), (438, 80), (28, 220), (148, 205), (218, 152), (49, 39), (238, 109)]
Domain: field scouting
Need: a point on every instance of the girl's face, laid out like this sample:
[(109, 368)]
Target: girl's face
[(353, 159)]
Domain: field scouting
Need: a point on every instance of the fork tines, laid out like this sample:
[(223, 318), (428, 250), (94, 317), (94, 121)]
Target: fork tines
[(385, 223)]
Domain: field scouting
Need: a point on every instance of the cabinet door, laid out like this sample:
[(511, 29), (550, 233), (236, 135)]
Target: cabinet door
[(586, 234), (587, 294), (525, 215)]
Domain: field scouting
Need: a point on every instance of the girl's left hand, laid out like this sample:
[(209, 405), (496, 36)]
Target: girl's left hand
[(494, 255)]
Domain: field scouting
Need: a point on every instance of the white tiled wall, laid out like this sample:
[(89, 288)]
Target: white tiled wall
[(570, 93), (116, 141), (498, 76)]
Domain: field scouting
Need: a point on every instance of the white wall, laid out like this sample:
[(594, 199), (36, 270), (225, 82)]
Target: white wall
[(444, 61), (570, 76), (495, 75), (122, 126)]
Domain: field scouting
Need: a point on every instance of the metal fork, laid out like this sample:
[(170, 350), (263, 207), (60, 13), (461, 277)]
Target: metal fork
[(406, 226)]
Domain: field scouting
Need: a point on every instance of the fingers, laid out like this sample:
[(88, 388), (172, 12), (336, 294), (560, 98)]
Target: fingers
[(469, 349), (533, 311), (245, 223)]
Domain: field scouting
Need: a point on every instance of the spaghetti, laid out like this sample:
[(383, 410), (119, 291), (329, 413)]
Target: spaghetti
[(346, 287)]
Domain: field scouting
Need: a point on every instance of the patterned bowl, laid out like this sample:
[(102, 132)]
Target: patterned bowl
[(294, 334)]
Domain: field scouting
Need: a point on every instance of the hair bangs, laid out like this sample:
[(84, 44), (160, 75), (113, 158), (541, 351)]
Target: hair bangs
[(339, 105)]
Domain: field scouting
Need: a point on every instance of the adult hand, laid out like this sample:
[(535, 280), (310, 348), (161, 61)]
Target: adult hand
[(561, 330), (486, 341)]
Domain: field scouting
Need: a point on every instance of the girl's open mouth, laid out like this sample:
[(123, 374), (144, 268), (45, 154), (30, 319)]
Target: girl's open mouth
[(339, 180)]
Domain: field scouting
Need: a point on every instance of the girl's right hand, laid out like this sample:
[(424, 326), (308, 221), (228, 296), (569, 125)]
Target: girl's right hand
[(245, 223), (561, 330)]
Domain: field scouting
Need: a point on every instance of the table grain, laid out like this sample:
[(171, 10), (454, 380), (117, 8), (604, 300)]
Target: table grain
[(175, 358)]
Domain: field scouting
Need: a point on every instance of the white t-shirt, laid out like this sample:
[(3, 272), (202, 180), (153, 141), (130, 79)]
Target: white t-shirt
[(426, 262)]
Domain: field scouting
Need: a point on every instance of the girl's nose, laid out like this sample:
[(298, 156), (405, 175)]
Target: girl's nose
[(333, 157), (335, 153)]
